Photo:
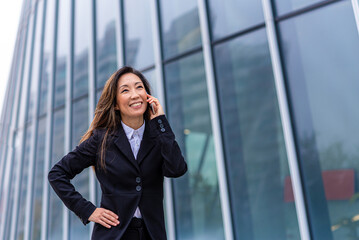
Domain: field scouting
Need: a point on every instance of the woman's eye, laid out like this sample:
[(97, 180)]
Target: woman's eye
[(139, 87), (125, 90)]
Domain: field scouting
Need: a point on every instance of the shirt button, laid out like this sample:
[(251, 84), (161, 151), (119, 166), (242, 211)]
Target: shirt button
[(138, 188), (138, 180), (163, 130), (159, 121)]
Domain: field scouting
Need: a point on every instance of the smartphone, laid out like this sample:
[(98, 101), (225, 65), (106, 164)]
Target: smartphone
[(152, 107)]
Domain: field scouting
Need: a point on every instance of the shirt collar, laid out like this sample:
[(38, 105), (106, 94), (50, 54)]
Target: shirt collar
[(130, 131)]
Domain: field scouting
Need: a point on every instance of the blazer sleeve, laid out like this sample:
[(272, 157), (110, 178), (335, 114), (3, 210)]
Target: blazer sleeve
[(67, 168), (174, 164)]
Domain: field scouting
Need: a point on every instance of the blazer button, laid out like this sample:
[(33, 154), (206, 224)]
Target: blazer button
[(159, 121), (163, 130), (138, 179), (138, 188), (161, 125)]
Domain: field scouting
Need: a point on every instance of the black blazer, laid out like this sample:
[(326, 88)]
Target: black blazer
[(126, 183)]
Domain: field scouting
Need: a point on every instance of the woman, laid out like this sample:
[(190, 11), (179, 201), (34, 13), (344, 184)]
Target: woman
[(131, 148)]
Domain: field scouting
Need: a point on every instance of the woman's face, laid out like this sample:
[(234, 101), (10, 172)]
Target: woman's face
[(131, 97)]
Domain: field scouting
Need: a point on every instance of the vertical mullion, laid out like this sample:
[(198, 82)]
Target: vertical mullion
[(119, 34), (68, 108), (355, 5), (161, 97), (34, 127), (22, 125), (286, 121), (92, 96), (48, 136), (217, 136)]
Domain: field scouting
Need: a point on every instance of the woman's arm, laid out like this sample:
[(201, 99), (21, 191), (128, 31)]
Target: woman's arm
[(70, 165)]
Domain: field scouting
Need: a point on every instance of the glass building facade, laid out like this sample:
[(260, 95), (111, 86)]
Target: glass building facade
[(261, 95)]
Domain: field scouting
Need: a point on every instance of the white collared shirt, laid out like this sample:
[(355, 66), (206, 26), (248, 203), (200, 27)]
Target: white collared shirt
[(135, 138)]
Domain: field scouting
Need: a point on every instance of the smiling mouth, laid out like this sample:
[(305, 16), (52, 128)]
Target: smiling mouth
[(135, 104)]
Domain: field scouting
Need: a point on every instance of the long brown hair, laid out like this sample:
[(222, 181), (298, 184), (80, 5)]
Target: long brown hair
[(106, 117)]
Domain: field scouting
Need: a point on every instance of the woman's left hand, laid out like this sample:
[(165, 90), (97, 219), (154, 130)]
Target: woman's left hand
[(156, 106)]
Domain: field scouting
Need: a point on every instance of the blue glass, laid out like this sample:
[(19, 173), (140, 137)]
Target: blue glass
[(179, 26), (196, 194), (47, 56), (62, 51), (82, 24), (39, 162), (55, 216), (138, 33), (106, 49), (321, 64), (151, 77), (35, 69), (81, 181), (24, 178), (230, 16), (286, 6), (253, 141)]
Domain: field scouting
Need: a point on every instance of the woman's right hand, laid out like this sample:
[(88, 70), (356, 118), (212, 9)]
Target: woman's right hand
[(104, 217)]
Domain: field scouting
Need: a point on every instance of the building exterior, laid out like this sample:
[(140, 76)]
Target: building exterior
[(262, 96)]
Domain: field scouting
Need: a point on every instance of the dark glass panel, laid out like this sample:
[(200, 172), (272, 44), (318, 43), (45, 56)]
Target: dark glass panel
[(196, 194), (253, 140), (321, 65)]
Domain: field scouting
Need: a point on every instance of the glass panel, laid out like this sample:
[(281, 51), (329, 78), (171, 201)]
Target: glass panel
[(321, 62), (25, 78), (38, 180), (196, 194), (46, 68), (138, 33), (24, 174), (35, 67), (286, 6), (55, 204), (253, 140), (180, 26), (231, 16), (63, 48), (150, 75), (16, 160), (81, 181), (81, 46), (106, 40)]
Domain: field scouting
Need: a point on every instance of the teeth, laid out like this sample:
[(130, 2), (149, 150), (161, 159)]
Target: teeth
[(136, 104)]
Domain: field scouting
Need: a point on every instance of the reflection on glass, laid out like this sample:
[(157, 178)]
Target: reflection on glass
[(253, 140), (180, 26), (105, 40), (63, 48), (138, 33), (47, 56), (24, 174), (196, 194), (55, 205), (81, 46), (150, 75), (38, 180), (321, 64), (286, 6), (231, 16), (81, 181), (35, 66)]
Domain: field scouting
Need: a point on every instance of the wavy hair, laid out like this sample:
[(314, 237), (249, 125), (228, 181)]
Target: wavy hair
[(106, 117)]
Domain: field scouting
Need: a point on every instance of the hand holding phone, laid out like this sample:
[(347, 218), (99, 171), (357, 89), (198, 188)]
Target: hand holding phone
[(156, 108)]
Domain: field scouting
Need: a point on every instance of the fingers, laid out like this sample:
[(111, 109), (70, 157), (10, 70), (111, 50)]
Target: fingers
[(104, 217)]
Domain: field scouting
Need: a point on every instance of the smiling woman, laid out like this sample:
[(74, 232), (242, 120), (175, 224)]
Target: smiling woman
[(132, 149)]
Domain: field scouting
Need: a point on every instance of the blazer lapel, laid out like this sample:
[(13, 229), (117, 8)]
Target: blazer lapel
[(147, 144), (124, 146)]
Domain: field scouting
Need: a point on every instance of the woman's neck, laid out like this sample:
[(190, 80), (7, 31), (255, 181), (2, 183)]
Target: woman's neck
[(134, 123)]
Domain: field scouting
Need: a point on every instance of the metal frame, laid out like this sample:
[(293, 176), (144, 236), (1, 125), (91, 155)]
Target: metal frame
[(217, 136), (119, 35), (355, 5), (286, 121), (161, 97), (34, 126)]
